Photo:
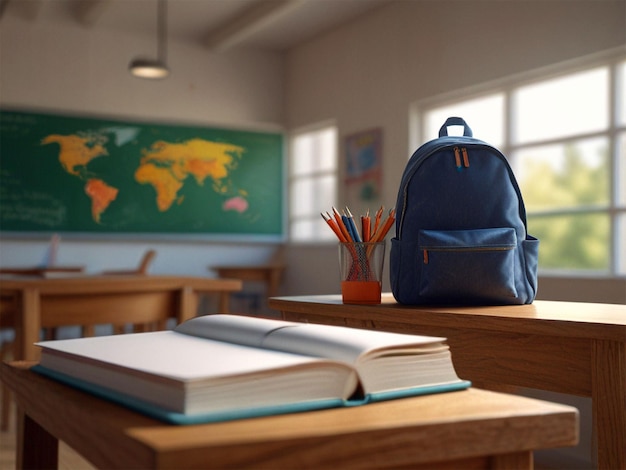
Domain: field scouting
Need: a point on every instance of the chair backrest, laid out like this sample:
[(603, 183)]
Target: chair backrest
[(146, 261), (142, 269)]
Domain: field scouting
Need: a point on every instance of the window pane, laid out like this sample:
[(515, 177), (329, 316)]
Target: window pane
[(312, 183), (324, 193), (311, 230), (312, 196), (314, 152), (302, 201), (564, 175), (484, 115), (571, 105), (326, 160), (302, 154), (577, 241), (621, 94)]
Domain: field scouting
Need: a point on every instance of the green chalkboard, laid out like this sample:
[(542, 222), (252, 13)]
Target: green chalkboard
[(71, 174)]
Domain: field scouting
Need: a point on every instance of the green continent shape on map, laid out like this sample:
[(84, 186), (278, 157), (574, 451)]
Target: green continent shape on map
[(166, 166)]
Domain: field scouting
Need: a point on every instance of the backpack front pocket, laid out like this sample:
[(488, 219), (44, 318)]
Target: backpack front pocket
[(462, 264)]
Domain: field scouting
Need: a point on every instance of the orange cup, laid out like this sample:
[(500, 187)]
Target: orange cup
[(360, 292), (361, 268)]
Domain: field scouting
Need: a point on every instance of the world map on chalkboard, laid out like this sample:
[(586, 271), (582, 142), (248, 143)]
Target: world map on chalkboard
[(62, 173)]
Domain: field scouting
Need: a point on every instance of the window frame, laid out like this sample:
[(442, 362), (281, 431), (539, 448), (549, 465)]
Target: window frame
[(316, 174), (616, 209)]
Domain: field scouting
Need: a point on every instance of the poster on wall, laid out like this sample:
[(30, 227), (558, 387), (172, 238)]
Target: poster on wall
[(364, 166), (73, 174)]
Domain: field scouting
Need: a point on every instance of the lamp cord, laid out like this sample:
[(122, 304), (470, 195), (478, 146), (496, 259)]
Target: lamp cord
[(162, 31)]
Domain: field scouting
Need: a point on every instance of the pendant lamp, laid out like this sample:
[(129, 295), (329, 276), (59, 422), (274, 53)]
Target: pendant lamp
[(150, 68)]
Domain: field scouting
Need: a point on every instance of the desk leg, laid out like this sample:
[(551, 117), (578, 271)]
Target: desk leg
[(608, 376), (36, 448), (224, 302), (188, 304), (518, 460), (30, 325), (274, 283)]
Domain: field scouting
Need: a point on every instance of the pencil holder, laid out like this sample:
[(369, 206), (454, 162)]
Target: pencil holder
[(361, 270)]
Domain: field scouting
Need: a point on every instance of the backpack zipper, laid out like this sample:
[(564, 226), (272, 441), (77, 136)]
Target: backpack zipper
[(465, 157), (464, 250), (457, 157)]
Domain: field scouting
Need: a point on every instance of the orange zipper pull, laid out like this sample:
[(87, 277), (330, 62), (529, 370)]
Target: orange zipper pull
[(465, 157), (457, 157), (425, 256)]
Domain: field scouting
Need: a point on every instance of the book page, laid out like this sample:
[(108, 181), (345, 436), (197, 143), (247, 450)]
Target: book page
[(333, 342), (175, 356), (187, 374), (236, 329), (349, 344)]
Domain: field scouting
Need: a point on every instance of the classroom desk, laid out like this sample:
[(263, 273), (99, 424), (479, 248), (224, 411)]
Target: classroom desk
[(567, 347), (470, 428), (104, 299), (42, 270)]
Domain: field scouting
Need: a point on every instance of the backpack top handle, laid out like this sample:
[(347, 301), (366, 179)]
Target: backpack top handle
[(455, 121)]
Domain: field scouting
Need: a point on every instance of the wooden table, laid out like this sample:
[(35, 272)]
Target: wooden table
[(93, 300), (567, 347), (270, 274), (42, 270), (453, 430)]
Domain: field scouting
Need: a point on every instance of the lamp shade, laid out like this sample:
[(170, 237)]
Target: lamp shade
[(150, 68), (145, 68)]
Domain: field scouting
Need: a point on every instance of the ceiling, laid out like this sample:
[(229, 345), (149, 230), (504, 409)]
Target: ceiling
[(219, 25)]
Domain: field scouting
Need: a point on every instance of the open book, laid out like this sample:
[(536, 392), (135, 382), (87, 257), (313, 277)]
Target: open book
[(221, 367)]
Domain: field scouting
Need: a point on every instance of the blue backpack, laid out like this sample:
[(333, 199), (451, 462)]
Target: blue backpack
[(461, 227)]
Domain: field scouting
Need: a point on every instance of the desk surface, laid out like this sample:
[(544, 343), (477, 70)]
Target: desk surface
[(568, 347), (571, 319), (116, 283), (103, 299), (41, 270), (458, 425)]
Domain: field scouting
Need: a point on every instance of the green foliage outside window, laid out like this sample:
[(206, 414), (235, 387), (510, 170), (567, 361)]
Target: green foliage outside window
[(560, 201)]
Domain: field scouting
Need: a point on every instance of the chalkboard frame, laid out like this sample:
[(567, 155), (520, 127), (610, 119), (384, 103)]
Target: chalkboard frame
[(268, 150)]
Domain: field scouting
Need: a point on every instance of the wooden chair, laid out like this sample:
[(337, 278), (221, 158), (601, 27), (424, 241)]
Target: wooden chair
[(142, 269), (270, 274)]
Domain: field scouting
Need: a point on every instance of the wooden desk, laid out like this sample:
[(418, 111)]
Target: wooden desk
[(42, 271), (270, 274), (93, 300), (567, 347), (454, 430)]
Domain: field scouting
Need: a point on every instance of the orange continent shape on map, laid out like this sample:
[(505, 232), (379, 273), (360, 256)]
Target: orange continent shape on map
[(166, 165), (76, 151), (101, 195), (164, 182)]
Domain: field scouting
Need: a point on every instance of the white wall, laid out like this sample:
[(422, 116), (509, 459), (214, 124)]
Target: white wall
[(74, 70)]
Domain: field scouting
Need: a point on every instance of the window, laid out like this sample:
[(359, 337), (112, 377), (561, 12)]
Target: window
[(565, 137), (312, 182)]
